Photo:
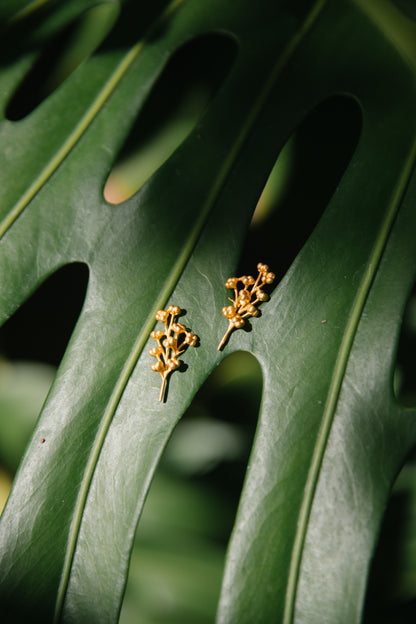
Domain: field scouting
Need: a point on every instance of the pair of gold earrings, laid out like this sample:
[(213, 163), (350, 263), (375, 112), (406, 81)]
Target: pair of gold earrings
[(173, 342)]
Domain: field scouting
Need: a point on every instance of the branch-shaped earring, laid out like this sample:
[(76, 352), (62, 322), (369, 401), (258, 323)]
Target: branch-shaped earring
[(171, 343), (245, 298)]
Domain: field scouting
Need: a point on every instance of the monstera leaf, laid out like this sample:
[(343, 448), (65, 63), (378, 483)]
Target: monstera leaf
[(331, 435)]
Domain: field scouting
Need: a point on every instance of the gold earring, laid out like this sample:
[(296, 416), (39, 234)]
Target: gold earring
[(171, 343), (245, 298)]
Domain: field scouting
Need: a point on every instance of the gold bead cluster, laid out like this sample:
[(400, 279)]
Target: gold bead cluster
[(246, 297), (173, 342)]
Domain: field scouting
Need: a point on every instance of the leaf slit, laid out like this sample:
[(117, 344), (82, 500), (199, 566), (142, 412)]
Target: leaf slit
[(188, 83)]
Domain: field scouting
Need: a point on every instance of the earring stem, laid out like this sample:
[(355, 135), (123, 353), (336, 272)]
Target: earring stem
[(225, 337)]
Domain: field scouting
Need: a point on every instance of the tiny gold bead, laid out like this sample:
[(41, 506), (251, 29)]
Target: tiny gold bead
[(228, 311), (231, 282), (174, 310), (161, 315)]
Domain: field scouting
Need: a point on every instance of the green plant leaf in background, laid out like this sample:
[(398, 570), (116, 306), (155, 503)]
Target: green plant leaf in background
[(331, 434)]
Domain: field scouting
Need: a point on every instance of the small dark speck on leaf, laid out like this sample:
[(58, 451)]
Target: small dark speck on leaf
[(43, 441)]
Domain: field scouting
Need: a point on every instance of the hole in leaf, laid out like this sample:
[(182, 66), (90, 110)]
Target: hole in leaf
[(179, 98), (32, 343), (404, 381), (23, 390), (178, 557), (391, 591), (301, 183), (61, 57), (40, 329)]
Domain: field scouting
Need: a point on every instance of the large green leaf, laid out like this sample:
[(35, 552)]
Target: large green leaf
[(331, 436)]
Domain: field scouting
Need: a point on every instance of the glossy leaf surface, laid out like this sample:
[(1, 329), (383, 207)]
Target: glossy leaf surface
[(331, 436)]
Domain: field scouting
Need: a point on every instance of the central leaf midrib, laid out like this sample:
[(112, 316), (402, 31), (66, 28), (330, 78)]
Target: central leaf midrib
[(166, 291), (336, 383)]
